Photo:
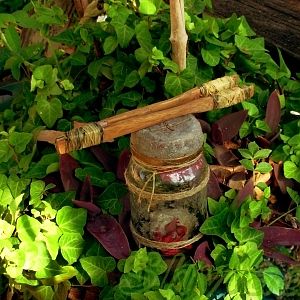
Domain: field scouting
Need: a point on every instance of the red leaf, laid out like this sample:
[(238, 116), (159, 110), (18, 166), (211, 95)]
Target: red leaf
[(225, 157), (280, 180), (106, 159), (247, 190), (123, 164), (213, 188), (92, 208), (67, 172), (55, 179), (87, 192), (273, 112), (280, 257), (206, 128), (228, 126), (110, 234), (201, 253), (283, 236)]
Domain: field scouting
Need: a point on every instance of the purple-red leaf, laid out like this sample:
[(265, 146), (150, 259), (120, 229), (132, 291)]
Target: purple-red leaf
[(123, 163), (67, 166), (201, 253), (110, 234), (281, 236), (282, 182), (213, 188), (206, 128), (225, 157), (247, 190), (228, 126), (280, 257), (273, 112), (106, 159), (87, 191), (92, 208)]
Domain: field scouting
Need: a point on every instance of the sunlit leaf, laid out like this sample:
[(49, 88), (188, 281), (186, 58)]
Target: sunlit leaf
[(97, 267)]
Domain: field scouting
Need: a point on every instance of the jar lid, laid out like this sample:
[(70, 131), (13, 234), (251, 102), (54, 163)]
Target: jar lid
[(177, 138)]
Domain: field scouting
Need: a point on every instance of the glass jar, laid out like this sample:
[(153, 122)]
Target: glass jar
[(167, 178)]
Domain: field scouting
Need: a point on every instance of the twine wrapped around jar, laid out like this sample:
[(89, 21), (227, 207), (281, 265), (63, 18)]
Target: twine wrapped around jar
[(167, 178)]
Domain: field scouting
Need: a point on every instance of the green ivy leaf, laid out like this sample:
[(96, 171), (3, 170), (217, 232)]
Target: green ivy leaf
[(71, 246), (124, 34), (216, 225), (17, 185), (28, 228), (38, 169), (262, 153), (294, 195), (5, 151), (98, 177), (247, 163), (189, 280), (109, 200), (249, 46), (211, 55), (41, 292), (248, 234), (262, 125), (167, 294), (97, 268), (147, 7), (143, 36), (245, 153), (253, 147), (274, 279), (291, 170), (19, 140), (56, 273), (263, 167), (110, 44), (132, 79), (49, 111), (6, 19), (130, 99), (283, 69), (12, 39), (245, 129), (158, 265), (71, 220), (140, 260), (177, 84), (6, 230), (67, 85), (254, 286), (251, 107), (36, 255)]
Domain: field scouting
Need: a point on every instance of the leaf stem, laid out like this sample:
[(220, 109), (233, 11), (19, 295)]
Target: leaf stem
[(281, 216)]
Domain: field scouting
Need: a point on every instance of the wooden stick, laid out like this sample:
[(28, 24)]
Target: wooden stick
[(207, 89), (95, 133), (178, 36)]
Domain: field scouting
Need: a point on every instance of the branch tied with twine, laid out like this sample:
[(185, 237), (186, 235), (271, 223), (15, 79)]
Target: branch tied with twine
[(219, 93)]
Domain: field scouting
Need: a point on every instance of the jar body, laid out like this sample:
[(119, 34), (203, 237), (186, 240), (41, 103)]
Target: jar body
[(168, 197)]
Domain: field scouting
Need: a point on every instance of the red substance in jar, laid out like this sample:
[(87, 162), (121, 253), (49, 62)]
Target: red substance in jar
[(174, 232)]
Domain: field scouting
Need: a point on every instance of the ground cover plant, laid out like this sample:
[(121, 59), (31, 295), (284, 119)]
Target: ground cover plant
[(64, 219)]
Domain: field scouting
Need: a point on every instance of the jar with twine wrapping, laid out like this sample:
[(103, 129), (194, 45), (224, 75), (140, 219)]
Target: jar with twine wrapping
[(167, 178)]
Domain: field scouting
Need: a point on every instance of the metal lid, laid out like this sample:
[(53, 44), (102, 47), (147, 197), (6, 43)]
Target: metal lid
[(177, 138)]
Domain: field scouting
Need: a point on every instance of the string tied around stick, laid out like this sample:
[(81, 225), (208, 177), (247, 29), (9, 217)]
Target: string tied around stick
[(78, 138)]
